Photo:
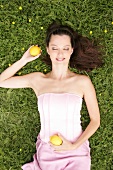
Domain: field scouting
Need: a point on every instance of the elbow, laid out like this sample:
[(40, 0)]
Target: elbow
[(1, 82), (96, 123), (1, 79)]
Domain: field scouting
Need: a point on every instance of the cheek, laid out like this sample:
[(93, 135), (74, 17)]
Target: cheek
[(69, 53), (53, 52), (50, 51)]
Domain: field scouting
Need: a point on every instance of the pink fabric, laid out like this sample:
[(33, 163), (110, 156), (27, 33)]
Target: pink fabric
[(59, 113)]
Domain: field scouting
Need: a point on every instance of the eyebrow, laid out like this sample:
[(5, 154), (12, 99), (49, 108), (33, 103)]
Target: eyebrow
[(64, 46)]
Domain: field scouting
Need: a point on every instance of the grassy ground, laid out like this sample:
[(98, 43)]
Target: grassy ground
[(21, 27)]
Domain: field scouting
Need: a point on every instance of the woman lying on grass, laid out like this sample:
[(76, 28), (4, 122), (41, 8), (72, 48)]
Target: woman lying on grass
[(60, 93)]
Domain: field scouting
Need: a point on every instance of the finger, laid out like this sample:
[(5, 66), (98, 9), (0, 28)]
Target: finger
[(37, 45), (51, 144), (30, 46), (59, 151), (55, 148), (61, 137), (37, 56)]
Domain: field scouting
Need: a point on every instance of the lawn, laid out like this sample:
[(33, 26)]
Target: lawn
[(23, 23)]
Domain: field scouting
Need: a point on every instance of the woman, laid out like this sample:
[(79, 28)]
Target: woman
[(60, 93)]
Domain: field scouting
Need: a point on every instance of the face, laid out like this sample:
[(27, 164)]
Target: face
[(60, 49)]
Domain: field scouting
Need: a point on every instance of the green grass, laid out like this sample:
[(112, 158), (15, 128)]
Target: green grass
[(19, 119)]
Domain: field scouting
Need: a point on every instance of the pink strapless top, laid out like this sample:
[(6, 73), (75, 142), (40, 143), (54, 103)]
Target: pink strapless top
[(60, 113)]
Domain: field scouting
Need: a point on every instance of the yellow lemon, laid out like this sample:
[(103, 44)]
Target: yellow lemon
[(55, 140), (35, 50)]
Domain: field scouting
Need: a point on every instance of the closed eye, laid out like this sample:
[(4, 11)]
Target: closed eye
[(54, 49), (66, 49)]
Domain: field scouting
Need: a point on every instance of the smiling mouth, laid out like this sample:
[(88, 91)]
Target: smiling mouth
[(60, 59)]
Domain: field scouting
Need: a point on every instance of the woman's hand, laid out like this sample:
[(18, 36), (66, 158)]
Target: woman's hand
[(27, 56), (65, 146)]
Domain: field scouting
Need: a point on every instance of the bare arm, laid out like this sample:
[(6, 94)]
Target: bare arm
[(93, 110), (7, 78), (88, 91)]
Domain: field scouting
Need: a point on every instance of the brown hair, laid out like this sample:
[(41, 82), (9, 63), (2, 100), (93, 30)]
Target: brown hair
[(85, 56)]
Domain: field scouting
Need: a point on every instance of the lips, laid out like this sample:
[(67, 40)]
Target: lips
[(60, 59)]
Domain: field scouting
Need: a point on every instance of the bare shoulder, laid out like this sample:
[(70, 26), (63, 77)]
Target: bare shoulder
[(83, 79), (87, 89), (84, 83), (23, 81), (36, 81), (36, 77)]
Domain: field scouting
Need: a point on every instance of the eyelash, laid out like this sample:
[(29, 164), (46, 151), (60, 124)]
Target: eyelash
[(54, 49), (57, 49), (66, 49)]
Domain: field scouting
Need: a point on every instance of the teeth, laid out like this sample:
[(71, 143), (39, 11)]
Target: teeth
[(60, 59)]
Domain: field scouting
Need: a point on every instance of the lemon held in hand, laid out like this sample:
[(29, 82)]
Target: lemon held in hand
[(55, 140), (35, 50)]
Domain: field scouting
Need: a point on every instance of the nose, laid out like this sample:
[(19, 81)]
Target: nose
[(60, 53)]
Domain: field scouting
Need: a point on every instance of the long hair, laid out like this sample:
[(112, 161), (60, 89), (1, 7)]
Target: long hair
[(85, 57)]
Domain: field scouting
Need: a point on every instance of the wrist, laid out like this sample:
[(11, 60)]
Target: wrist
[(23, 61), (74, 146)]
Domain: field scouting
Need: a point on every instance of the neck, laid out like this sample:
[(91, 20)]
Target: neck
[(59, 73)]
